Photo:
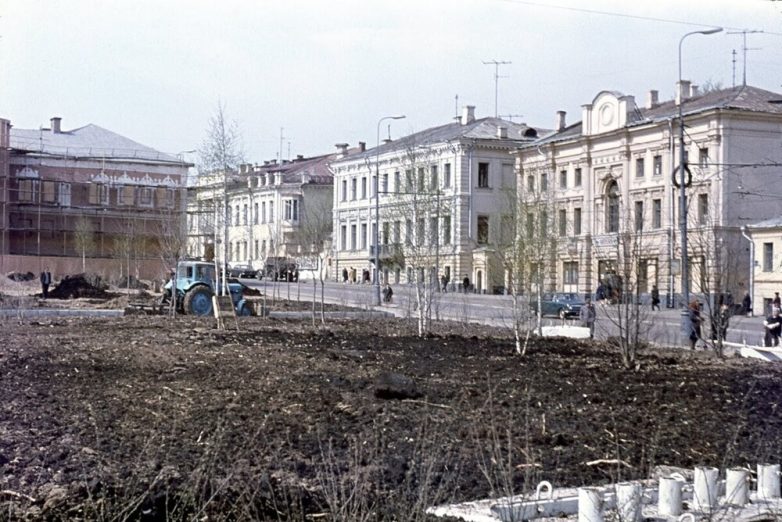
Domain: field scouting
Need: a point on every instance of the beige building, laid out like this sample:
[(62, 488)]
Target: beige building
[(766, 237), (611, 173), (445, 204), (273, 211)]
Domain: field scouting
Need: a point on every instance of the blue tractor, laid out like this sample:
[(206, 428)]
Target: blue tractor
[(195, 282)]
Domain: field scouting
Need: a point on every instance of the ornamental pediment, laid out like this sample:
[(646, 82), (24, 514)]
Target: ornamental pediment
[(607, 112)]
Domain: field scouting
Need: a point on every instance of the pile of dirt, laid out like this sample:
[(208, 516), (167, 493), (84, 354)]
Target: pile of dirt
[(149, 418), (20, 276), (80, 285), (131, 282)]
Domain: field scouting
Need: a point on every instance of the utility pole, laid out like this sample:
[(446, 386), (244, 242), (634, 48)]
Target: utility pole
[(497, 77), (744, 50)]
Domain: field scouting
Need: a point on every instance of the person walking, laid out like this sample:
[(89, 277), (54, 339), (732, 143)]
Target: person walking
[(776, 302), (344, 275), (655, 298), (466, 283), (444, 282), (719, 328), (588, 315), (773, 324), (694, 313), (746, 304), (46, 280)]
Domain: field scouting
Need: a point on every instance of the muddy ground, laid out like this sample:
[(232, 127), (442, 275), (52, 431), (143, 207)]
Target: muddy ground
[(147, 418)]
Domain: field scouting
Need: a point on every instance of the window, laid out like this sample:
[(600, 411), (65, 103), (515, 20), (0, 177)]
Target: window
[(271, 211), (446, 230), (530, 225), (420, 231), (409, 180), (397, 181), (363, 239), (530, 183), (563, 179), (353, 186), (291, 209), (353, 237), (768, 257), (657, 166), (483, 175), (506, 230), (397, 232), (344, 190), (703, 157), (434, 231), (483, 230), (374, 186), (145, 196), (343, 237), (657, 213), (577, 221), (447, 175), (28, 190), (435, 179), (64, 194), (263, 246), (612, 208), (255, 219), (409, 231), (543, 182), (244, 215), (639, 167), (562, 222), (263, 212), (126, 195), (386, 233), (639, 216), (364, 187), (577, 177), (230, 250), (384, 183), (98, 194), (703, 208), (570, 272), (237, 222), (257, 250), (543, 224), (48, 191)]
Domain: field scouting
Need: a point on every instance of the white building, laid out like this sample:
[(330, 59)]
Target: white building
[(612, 172), (767, 263), (445, 203)]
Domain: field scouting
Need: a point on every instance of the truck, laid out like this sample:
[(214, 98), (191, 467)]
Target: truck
[(193, 284)]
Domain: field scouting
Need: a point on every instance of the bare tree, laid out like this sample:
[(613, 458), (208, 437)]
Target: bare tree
[(172, 241), (221, 152), (314, 237), (84, 239)]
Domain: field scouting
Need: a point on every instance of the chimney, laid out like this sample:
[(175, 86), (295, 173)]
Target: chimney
[(694, 91), (343, 149), (299, 157), (468, 114), (652, 99), (502, 132), (55, 122), (561, 120), (682, 91), (362, 146), (387, 140)]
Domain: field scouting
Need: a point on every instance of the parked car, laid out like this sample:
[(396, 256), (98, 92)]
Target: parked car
[(280, 269), (242, 272), (559, 304)]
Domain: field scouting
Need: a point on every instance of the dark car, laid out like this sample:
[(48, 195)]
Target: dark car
[(281, 269), (242, 272), (559, 304)]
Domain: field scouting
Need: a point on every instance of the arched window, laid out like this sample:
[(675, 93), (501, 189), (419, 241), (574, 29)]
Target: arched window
[(612, 207)]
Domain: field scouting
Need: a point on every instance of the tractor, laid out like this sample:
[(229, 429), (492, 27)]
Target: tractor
[(195, 282)]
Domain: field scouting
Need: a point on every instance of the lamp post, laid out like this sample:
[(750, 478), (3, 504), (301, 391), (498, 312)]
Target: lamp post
[(377, 207), (685, 269)]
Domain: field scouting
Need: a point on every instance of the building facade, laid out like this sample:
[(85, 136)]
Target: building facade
[(766, 265), (269, 211), (89, 193), (610, 181), (445, 204)]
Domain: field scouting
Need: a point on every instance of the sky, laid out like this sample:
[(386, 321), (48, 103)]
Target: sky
[(325, 72)]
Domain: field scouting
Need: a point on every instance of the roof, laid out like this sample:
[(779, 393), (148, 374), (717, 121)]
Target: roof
[(481, 129), (90, 141), (768, 223), (742, 98)]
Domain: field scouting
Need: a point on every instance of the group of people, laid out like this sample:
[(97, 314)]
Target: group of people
[(773, 323)]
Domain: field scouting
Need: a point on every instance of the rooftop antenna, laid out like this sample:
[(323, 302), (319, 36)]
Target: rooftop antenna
[(456, 107), (744, 50), (510, 117), (497, 77), (282, 137), (734, 66)]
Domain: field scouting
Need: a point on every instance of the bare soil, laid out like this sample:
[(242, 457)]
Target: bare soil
[(149, 418)]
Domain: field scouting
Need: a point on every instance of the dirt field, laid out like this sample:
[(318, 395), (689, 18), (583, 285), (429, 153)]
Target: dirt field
[(144, 418)]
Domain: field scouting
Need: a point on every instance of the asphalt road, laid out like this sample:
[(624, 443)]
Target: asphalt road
[(659, 327)]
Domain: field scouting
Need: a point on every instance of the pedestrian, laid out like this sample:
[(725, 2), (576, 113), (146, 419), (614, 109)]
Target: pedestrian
[(655, 298), (719, 329), (466, 283), (588, 314), (694, 314), (344, 275), (444, 282), (352, 275), (776, 302), (773, 324), (387, 293), (746, 304), (46, 280), (600, 294)]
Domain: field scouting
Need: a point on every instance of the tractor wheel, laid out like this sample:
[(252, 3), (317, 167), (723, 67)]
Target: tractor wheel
[(198, 301), (245, 311)]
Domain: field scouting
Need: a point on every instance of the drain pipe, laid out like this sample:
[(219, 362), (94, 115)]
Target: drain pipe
[(751, 268), (737, 487)]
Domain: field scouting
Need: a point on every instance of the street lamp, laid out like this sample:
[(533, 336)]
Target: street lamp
[(377, 207), (685, 269)]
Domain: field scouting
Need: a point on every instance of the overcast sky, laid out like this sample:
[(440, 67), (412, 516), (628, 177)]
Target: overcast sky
[(326, 71)]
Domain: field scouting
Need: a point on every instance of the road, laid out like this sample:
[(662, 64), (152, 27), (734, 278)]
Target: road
[(658, 327)]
